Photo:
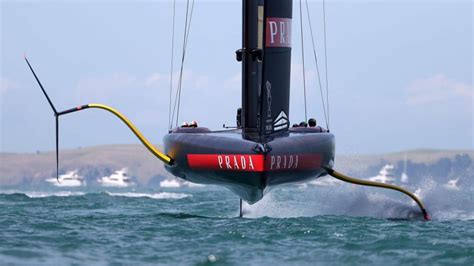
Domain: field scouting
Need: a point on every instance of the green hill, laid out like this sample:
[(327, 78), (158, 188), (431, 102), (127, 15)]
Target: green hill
[(96, 161)]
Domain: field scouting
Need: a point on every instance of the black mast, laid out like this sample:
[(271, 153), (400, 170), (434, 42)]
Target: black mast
[(251, 54), (266, 62)]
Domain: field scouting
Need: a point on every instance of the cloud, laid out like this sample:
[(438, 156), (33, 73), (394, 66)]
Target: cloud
[(194, 84), (145, 98), (438, 89), (105, 86), (297, 76), (6, 85)]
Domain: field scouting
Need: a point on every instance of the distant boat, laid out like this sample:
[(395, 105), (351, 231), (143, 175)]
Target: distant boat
[(69, 179), (385, 175), (452, 184), (404, 177), (177, 183), (117, 179)]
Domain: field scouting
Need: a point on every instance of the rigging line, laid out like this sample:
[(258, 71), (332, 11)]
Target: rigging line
[(302, 57), (181, 67), (171, 68), (182, 64), (317, 65), (326, 58), (178, 90)]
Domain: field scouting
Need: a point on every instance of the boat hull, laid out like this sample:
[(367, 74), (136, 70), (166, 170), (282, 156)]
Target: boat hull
[(248, 168)]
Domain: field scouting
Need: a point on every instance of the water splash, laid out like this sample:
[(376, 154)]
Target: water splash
[(351, 200), (161, 195)]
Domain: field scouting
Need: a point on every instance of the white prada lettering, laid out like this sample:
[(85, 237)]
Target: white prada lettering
[(251, 163), (236, 165), (283, 162), (282, 32), (235, 162), (273, 31), (278, 32)]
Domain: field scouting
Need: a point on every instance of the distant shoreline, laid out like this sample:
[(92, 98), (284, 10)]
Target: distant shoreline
[(96, 161)]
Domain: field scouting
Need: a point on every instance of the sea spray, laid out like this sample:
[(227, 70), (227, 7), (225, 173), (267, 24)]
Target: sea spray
[(161, 195), (346, 199)]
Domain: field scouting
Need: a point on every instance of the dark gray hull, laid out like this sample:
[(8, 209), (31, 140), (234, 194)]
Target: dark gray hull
[(248, 168)]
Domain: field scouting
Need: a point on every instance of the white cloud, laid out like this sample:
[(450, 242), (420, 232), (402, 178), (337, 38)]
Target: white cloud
[(146, 98), (233, 83), (297, 76), (104, 87), (6, 85), (156, 79), (438, 89)]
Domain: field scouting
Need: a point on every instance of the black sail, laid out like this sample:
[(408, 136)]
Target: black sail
[(266, 67)]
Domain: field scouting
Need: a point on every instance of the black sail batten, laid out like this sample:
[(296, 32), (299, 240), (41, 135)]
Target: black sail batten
[(266, 67)]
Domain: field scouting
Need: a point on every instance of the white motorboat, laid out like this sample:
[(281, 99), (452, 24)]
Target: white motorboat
[(385, 175), (452, 184), (69, 179), (404, 177), (117, 179)]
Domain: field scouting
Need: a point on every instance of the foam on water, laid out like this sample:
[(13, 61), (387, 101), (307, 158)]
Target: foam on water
[(201, 227), (161, 195), (310, 200), (43, 194)]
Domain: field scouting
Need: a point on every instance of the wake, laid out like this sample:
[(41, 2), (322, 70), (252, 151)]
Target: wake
[(350, 200)]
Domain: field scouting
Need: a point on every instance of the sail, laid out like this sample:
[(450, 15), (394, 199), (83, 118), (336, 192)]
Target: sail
[(266, 66), (275, 100)]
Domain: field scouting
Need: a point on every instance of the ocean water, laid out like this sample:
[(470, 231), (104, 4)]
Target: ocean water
[(303, 225)]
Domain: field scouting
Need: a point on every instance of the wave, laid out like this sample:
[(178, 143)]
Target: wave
[(161, 195), (42, 194)]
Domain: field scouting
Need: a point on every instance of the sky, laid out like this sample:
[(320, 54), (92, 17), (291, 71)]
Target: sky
[(400, 72)]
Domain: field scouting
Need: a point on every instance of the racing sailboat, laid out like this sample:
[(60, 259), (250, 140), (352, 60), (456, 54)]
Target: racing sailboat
[(262, 151)]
